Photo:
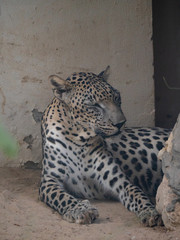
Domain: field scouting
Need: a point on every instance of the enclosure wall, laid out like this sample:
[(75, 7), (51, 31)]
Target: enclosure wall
[(39, 38)]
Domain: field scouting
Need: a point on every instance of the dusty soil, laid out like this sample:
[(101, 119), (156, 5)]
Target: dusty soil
[(24, 217)]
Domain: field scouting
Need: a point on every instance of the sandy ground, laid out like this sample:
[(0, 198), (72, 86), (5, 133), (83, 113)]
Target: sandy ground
[(24, 217)]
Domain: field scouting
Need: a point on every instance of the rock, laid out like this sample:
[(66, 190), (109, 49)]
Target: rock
[(168, 205), (168, 194)]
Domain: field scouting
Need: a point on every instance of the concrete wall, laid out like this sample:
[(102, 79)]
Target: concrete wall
[(43, 37)]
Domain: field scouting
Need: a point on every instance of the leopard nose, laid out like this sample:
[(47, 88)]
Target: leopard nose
[(119, 125)]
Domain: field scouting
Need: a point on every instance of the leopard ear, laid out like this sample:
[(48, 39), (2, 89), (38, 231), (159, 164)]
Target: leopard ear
[(59, 85), (105, 74)]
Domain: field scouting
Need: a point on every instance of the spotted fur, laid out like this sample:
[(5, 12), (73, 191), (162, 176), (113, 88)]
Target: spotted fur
[(87, 154)]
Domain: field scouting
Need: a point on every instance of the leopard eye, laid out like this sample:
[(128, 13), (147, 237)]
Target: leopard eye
[(96, 108), (97, 105), (88, 103)]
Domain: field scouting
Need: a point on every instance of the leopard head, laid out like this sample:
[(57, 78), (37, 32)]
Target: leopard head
[(92, 101)]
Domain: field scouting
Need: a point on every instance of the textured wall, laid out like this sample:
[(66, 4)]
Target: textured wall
[(39, 38)]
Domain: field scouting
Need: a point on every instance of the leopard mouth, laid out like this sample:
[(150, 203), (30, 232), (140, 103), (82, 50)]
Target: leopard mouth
[(109, 132)]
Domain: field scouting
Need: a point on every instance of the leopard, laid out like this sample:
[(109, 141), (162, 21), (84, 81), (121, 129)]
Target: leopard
[(89, 154)]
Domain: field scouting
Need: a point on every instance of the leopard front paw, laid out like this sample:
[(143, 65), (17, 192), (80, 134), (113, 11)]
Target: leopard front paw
[(82, 213), (150, 218)]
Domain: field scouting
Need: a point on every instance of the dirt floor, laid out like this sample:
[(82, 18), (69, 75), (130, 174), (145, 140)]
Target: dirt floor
[(24, 217)]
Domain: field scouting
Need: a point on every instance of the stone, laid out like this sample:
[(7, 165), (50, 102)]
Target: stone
[(168, 205), (168, 194)]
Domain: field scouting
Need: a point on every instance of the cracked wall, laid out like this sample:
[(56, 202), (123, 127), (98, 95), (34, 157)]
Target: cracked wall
[(39, 38)]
